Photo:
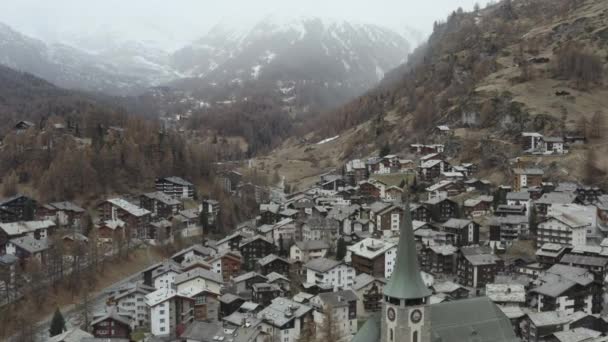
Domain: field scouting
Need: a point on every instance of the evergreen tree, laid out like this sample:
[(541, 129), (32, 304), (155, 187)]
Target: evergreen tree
[(341, 249), (57, 324), (282, 251), (533, 219), (385, 150)]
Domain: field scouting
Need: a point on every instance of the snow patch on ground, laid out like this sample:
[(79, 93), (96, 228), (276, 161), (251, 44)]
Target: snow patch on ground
[(255, 71), (379, 72), (325, 141)]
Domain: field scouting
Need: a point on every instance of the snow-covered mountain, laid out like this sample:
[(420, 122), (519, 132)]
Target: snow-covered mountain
[(305, 48), (117, 70), (304, 54)]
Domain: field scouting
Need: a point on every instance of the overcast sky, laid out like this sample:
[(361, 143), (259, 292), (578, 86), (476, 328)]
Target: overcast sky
[(184, 20)]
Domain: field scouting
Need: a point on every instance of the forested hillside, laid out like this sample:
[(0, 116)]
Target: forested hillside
[(80, 148), (489, 74)]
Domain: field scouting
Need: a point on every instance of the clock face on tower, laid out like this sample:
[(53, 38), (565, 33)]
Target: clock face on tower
[(416, 316), (391, 314)]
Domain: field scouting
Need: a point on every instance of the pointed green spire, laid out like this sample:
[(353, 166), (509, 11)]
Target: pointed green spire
[(406, 281)]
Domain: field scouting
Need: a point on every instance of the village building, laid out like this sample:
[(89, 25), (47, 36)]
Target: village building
[(387, 219), (109, 230), (407, 313), (445, 188), (563, 230), (479, 206), (230, 242), (228, 264), (304, 251), (431, 169), (568, 289), (17, 208), (554, 145), (539, 326), (27, 249), (176, 187), (355, 171), (131, 299), (503, 210), (481, 185), (464, 232), (369, 294), (254, 249), (427, 149), (210, 209), (420, 213), (164, 275), (170, 311), (531, 141), (527, 178), (36, 230), (136, 219), (512, 294), (160, 204), (264, 293), (506, 229), (442, 209), (521, 198), (230, 180), (439, 259), (229, 303), (319, 228), (550, 254), (372, 256), (273, 263), (477, 266), (342, 306), (327, 272), (64, 214), (549, 199), (451, 290), (369, 190), (244, 282), (285, 319), (595, 264), (72, 335), (111, 325)]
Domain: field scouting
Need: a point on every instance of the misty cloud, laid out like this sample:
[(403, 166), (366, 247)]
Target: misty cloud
[(175, 22)]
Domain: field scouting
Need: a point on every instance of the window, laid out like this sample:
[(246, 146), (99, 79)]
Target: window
[(162, 329), (391, 334), (162, 320), (415, 337), (162, 312)]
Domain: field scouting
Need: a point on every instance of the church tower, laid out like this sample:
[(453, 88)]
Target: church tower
[(405, 314)]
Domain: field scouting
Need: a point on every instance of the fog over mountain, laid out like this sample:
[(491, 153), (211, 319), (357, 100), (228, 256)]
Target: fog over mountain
[(173, 24)]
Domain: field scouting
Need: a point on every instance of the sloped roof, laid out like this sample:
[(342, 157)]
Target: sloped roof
[(457, 223), (72, 335), (198, 273), (270, 258), (337, 299), (475, 319), (67, 206), (178, 180), (322, 264), (312, 245), (30, 244), (275, 313), (162, 197), (128, 207), (18, 228)]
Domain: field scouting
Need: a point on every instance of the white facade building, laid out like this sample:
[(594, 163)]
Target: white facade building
[(337, 274)]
